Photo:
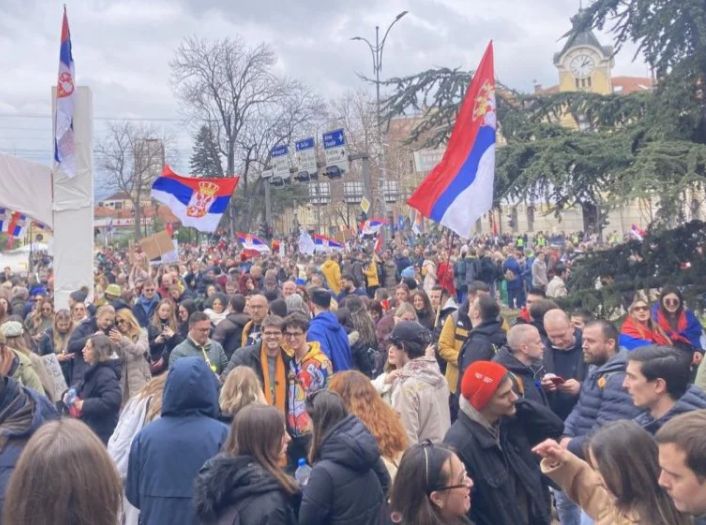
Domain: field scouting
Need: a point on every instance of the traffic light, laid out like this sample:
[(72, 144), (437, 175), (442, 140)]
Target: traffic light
[(333, 172)]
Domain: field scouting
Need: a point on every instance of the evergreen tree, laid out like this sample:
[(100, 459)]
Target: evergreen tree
[(206, 159)]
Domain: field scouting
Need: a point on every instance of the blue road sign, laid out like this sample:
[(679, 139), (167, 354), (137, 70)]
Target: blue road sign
[(304, 144), (334, 139)]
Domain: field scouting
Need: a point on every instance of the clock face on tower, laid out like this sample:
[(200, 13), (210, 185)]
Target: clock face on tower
[(582, 65)]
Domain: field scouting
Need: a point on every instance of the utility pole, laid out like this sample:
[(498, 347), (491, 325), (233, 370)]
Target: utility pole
[(376, 52)]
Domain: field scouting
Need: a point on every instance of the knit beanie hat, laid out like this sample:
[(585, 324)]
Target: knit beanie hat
[(480, 381)]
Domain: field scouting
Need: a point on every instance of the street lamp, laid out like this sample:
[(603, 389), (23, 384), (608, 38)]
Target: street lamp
[(376, 51)]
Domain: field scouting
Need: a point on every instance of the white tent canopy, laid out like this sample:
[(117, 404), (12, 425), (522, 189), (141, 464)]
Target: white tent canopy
[(25, 186)]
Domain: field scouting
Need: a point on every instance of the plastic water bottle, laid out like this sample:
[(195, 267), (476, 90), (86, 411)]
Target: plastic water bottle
[(71, 396), (302, 473)]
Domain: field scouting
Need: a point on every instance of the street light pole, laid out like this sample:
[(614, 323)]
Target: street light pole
[(376, 52)]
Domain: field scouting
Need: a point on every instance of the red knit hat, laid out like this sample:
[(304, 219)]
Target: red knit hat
[(480, 381)]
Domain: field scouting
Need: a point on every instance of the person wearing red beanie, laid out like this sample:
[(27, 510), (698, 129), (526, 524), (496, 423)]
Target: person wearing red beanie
[(494, 435)]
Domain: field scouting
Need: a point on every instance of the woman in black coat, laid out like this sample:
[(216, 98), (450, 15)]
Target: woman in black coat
[(99, 394), (245, 484), (163, 336), (348, 481)]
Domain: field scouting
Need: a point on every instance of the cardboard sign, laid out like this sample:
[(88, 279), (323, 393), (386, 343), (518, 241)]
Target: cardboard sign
[(51, 364), (156, 245)]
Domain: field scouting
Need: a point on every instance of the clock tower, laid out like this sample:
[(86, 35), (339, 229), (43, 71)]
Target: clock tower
[(584, 64)]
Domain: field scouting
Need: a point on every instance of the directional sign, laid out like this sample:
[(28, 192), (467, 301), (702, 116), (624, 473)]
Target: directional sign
[(306, 155), (280, 161), (365, 204), (335, 149)]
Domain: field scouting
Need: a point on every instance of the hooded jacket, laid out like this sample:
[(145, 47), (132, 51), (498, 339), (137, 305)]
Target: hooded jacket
[(693, 399), (602, 399), (22, 412), (102, 397), (168, 453), (326, 329), (422, 400), (482, 344), (348, 481), (332, 272), (231, 490)]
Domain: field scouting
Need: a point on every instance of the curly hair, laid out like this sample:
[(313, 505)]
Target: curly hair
[(365, 403)]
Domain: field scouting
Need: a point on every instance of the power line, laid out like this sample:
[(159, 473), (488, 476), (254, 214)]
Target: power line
[(95, 117)]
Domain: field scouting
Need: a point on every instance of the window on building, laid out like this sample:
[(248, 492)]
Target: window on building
[(530, 218), (391, 190), (353, 192), (319, 192)]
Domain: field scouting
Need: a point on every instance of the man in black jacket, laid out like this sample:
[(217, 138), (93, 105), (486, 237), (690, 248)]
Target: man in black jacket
[(229, 331), (563, 357), (493, 436), (522, 356), (486, 338)]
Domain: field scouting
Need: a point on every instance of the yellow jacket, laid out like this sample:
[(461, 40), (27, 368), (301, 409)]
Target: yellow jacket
[(453, 335), (371, 273), (332, 272)]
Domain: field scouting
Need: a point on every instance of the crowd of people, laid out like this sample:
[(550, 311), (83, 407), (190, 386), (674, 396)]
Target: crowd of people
[(440, 383)]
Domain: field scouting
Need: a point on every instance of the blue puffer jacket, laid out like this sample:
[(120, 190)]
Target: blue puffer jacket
[(326, 329), (693, 399), (602, 399), (168, 453), (144, 309)]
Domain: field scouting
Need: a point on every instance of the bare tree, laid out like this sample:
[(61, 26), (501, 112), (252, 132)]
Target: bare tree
[(131, 157), (234, 89)]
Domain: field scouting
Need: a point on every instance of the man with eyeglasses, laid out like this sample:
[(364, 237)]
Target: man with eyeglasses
[(309, 371), (199, 344), (268, 360), (145, 304)]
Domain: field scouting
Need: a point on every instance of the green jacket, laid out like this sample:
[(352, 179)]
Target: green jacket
[(23, 371), (188, 348)]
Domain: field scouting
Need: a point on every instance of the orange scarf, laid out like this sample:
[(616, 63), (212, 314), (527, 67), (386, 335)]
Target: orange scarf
[(280, 389)]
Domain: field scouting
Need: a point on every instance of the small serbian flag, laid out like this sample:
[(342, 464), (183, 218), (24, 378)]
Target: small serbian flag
[(371, 226), (64, 148), (326, 244), (250, 242), (16, 224), (459, 190), (196, 202), (637, 232)]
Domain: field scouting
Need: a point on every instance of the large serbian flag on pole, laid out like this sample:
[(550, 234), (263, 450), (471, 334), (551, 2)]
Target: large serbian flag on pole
[(459, 190), (64, 149), (252, 243), (197, 202)]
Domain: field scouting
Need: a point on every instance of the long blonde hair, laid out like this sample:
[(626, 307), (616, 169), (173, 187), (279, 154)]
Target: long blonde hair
[(153, 390), (241, 388), (61, 340), (134, 331)]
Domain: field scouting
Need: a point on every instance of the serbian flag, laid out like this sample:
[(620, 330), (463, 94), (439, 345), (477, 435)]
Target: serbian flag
[(197, 202), (5, 216), (371, 226), (16, 224), (252, 243), (326, 244), (459, 189), (64, 149), (637, 233)]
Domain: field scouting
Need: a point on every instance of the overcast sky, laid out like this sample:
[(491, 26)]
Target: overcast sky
[(122, 50)]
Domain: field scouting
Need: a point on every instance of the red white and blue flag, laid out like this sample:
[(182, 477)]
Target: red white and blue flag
[(196, 202), (13, 223), (459, 190), (326, 244), (371, 226), (251, 242), (64, 148)]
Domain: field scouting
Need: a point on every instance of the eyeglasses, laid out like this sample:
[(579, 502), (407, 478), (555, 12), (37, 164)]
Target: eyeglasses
[(293, 334), (671, 302)]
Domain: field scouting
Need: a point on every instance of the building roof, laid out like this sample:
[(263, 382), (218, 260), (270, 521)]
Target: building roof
[(627, 85), (117, 196), (581, 38)]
